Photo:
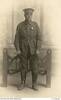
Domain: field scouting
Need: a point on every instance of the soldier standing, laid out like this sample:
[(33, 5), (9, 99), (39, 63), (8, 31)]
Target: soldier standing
[(26, 43)]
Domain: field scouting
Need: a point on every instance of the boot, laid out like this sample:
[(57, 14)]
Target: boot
[(21, 86), (34, 87)]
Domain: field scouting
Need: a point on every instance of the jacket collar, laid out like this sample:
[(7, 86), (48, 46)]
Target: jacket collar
[(27, 22)]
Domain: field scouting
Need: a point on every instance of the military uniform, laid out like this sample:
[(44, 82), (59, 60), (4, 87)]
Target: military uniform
[(26, 40)]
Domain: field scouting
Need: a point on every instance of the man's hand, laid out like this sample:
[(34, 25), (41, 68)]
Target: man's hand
[(18, 52)]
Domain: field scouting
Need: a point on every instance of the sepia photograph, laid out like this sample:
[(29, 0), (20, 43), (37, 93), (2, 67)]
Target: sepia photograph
[(30, 50)]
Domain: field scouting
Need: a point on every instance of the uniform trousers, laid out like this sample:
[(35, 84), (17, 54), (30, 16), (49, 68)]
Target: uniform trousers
[(31, 61)]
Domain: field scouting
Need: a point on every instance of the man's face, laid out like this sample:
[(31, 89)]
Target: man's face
[(28, 17)]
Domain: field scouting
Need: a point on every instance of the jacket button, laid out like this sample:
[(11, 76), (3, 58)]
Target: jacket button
[(32, 28)]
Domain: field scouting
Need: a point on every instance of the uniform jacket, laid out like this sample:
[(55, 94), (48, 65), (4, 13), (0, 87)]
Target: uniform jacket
[(27, 34)]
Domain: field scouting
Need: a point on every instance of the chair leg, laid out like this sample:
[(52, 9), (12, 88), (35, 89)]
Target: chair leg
[(48, 80), (5, 68)]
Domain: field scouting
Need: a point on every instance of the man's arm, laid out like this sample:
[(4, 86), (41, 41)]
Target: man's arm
[(16, 41), (38, 39)]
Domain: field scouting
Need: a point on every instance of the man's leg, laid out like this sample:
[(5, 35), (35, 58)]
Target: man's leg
[(23, 76), (34, 80), (23, 66), (34, 70), (23, 80)]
